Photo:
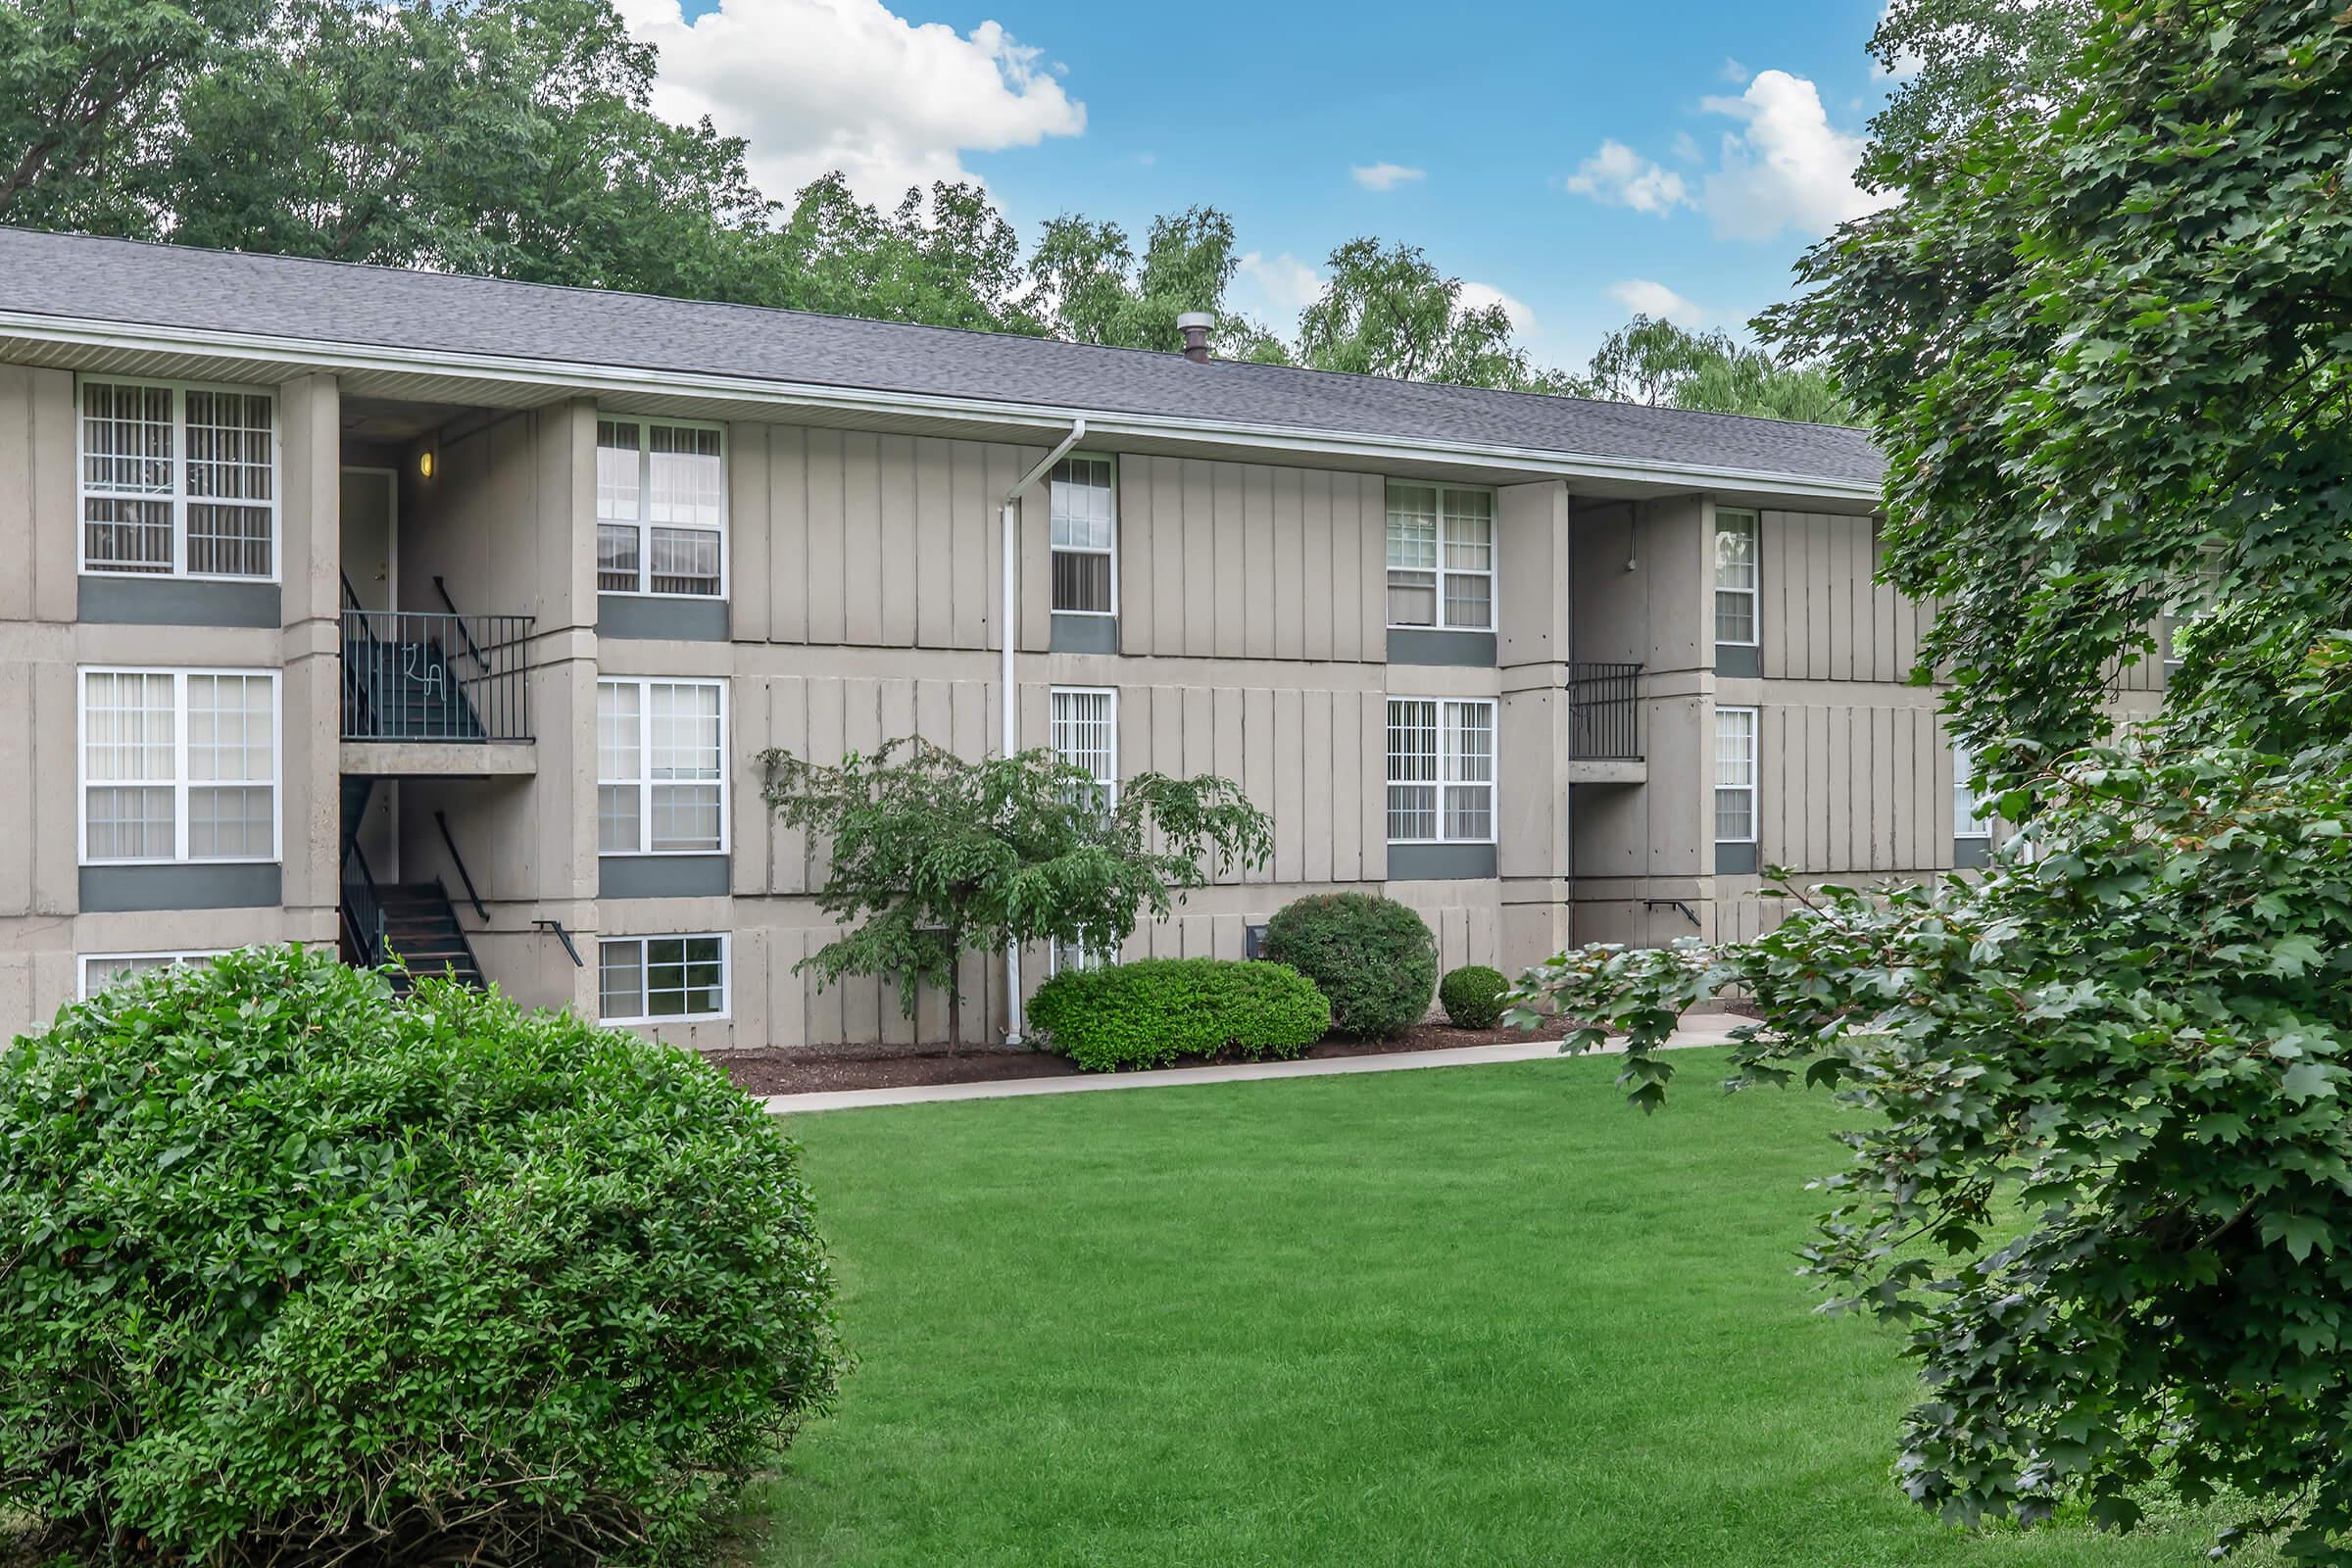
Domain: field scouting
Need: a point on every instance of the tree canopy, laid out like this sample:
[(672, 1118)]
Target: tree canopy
[(2102, 1170), (515, 139)]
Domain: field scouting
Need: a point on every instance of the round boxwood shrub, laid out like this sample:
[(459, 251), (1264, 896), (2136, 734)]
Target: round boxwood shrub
[(1472, 997), (1148, 1013), (298, 1276), (1373, 958)]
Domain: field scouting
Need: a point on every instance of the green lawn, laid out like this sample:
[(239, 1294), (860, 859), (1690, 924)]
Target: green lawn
[(1478, 1315)]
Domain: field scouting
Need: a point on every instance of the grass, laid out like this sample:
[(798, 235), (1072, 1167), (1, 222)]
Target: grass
[(1478, 1315)]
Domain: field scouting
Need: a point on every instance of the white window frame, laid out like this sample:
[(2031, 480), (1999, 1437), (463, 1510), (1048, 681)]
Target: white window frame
[(1756, 770), (645, 490), (1754, 593), (179, 781), (1449, 762), (645, 780), (1052, 550), (1965, 824), (1061, 958), (179, 390), (84, 961), (1442, 571), (726, 977)]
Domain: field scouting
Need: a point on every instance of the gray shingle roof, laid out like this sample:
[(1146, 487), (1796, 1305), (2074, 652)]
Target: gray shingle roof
[(165, 286)]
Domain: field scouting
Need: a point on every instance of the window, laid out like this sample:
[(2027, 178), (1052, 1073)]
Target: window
[(101, 969), (1084, 500), (1735, 775), (660, 768), (178, 481), (661, 508), (650, 979), (179, 765), (1084, 727), (1440, 771), (2205, 596), (1735, 576), (1440, 556), (1966, 823)]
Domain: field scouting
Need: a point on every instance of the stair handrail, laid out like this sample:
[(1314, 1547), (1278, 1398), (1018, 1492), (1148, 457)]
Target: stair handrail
[(459, 860), (361, 911), (473, 648), (564, 937)]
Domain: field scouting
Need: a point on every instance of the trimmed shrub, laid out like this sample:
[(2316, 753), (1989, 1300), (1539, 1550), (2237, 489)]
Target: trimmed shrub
[(1148, 1013), (1374, 959), (1472, 997), (298, 1276)]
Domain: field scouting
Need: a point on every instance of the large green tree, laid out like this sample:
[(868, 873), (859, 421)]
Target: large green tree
[(1387, 310), (2103, 1160), (946, 258)]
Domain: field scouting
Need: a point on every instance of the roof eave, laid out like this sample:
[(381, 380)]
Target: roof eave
[(562, 376)]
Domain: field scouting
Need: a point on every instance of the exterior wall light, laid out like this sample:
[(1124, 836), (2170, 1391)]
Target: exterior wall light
[(424, 464)]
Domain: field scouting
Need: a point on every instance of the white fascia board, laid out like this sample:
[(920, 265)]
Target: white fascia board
[(566, 377)]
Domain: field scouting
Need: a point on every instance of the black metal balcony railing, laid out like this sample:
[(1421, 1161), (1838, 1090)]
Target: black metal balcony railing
[(1605, 711), (409, 675)]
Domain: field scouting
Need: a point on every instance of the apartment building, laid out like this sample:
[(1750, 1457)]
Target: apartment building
[(352, 605)]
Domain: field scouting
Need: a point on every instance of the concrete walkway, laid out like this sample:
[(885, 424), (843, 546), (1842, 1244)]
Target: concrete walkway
[(1697, 1029)]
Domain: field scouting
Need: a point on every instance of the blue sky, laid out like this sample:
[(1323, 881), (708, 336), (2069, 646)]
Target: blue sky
[(1577, 158)]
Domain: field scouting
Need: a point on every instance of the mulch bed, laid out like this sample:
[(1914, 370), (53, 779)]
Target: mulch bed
[(800, 1072)]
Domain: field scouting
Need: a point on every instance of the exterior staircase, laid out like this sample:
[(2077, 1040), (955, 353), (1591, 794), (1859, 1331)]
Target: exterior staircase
[(421, 931)]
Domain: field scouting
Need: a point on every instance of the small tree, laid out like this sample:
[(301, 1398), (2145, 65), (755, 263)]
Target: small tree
[(934, 855)]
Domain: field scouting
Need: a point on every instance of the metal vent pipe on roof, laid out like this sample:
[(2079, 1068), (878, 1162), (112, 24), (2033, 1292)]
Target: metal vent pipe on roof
[(1196, 326)]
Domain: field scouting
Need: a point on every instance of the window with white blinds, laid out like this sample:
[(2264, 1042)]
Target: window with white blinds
[(1736, 576), (661, 508), (1083, 726), (1735, 775), (177, 481), (1083, 498), (101, 969), (1440, 556), (660, 768), (660, 979), (1966, 800), (1440, 771), (179, 765)]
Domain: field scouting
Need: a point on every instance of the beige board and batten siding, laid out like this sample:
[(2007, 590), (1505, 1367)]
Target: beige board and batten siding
[(43, 929)]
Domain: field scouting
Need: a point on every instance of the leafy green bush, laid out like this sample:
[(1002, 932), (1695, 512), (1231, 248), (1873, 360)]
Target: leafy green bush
[(295, 1272), (1472, 997), (1148, 1013), (1374, 959)]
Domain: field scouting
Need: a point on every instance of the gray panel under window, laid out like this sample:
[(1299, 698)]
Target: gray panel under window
[(1439, 862), (1739, 658), (663, 876), (1969, 854), (686, 620), (1736, 859), (1472, 649), (180, 887), (1086, 634), (179, 601)]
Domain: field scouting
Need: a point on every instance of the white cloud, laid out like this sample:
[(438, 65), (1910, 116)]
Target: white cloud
[(1288, 284), (1731, 71), (1685, 147), (1384, 177), (1790, 168), (1643, 297), (814, 86), (1619, 177), (1478, 296)]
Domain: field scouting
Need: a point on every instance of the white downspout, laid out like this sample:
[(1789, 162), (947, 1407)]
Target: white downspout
[(1009, 634)]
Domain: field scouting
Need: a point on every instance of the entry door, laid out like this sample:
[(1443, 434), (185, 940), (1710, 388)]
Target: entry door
[(368, 535), (370, 540)]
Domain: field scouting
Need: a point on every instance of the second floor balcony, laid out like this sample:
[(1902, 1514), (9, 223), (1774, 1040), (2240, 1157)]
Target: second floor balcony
[(1604, 723), (435, 691)]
